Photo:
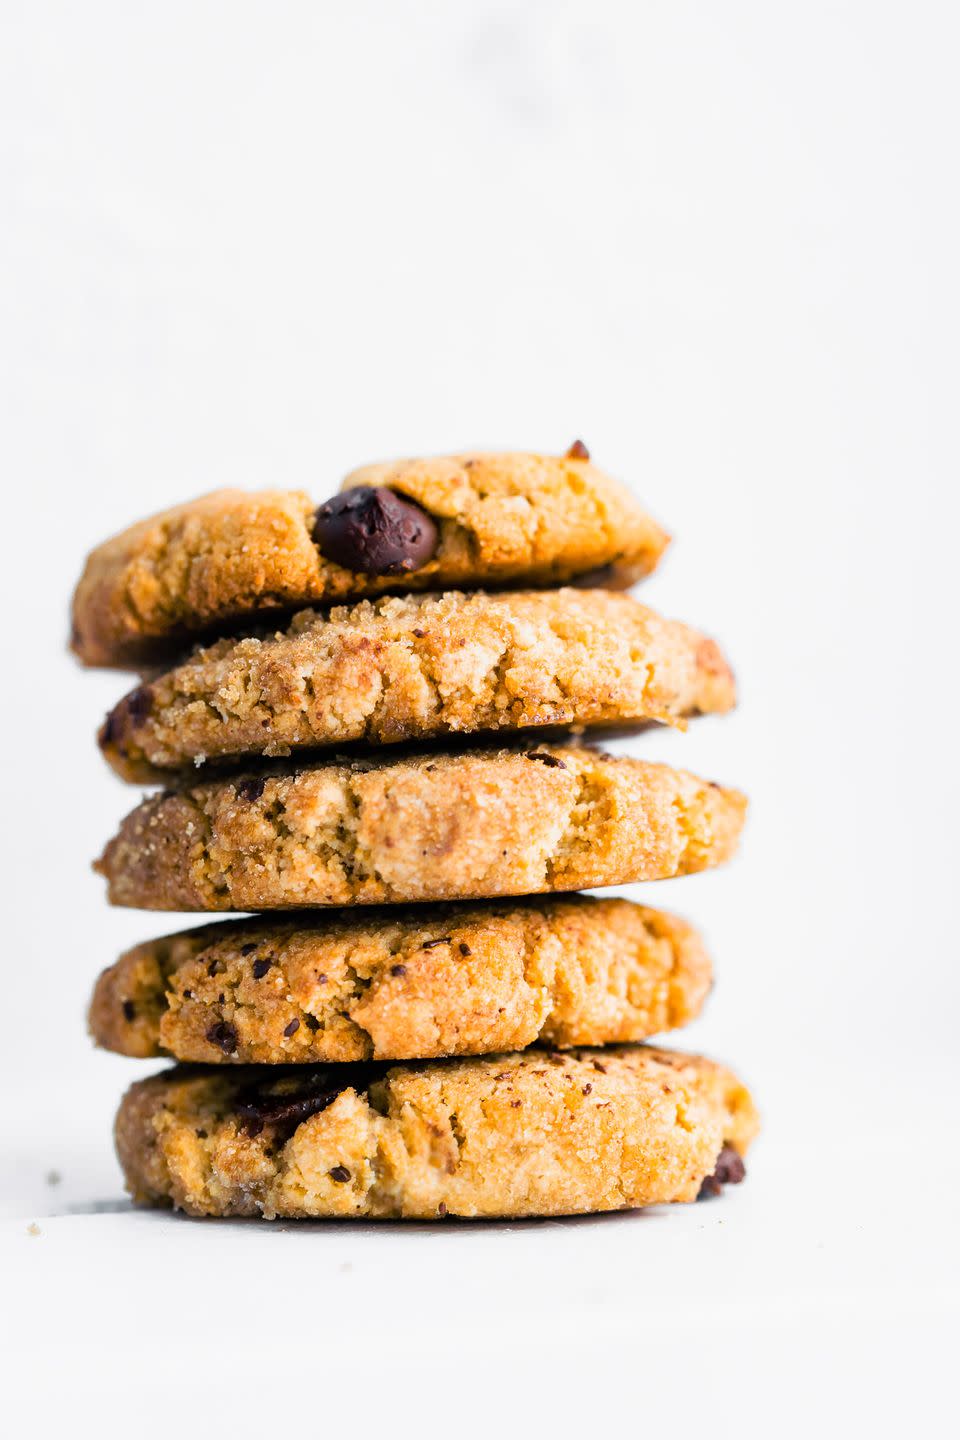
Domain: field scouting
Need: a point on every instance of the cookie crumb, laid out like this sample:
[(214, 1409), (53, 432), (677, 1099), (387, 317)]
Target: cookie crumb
[(33, 1228)]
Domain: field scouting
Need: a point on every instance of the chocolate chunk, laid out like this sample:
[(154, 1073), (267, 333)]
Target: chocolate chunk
[(285, 1103), (443, 940), (546, 759), (312, 1023), (250, 790), (224, 1036), (373, 531), (292, 1028), (465, 949), (441, 1209), (126, 716), (129, 1010), (398, 969), (730, 1170), (578, 451), (260, 968), (248, 949), (340, 1173)]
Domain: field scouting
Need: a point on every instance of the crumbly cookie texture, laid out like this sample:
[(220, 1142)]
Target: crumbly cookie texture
[(397, 985), (411, 667), (431, 827), (534, 1133), (501, 518)]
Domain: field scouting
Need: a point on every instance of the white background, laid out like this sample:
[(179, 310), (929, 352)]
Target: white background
[(256, 244)]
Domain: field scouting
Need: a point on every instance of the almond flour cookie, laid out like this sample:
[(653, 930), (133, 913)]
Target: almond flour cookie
[(456, 521), (411, 667), (535, 1133), (429, 827), (397, 985)]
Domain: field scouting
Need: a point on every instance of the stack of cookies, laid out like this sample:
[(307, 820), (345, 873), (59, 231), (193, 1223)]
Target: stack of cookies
[(420, 1018)]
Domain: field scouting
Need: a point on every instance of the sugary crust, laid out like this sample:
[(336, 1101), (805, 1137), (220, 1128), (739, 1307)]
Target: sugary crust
[(432, 827), (527, 519), (535, 1133), (406, 668), (453, 980)]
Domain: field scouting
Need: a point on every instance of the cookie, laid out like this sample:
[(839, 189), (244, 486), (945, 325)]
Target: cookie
[(534, 1133), (400, 985), (412, 667), (458, 521), (428, 827)]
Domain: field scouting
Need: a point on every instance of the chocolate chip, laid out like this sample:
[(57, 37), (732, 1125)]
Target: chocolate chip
[(340, 1173), (374, 531), (321, 979), (285, 1102), (441, 1209), (260, 968), (578, 451), (465, 949), (431, 944), (250, 790), (587, 1088), (129, 1010), (213, 967), (546, 759), (201, 1134), (730, 1170), (224, 1036), (188, 994), (292, 1028), (398, 969), (128, 715), (312, 1023), (248, 949), (597, 1066), (419, 634)]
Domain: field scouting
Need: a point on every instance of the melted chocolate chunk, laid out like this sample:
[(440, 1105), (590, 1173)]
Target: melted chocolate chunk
[(224, 1036), (730, 1170), (283, 1104), (250, 790), (373, 531), (578, 451), (126, 717)]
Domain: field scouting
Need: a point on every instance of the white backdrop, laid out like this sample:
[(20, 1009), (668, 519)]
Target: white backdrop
[(259, 243)]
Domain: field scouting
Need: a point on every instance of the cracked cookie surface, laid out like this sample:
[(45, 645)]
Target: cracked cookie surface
[(535, 1133), (396, 985), (412, 667), (431, 827), (500, 519)]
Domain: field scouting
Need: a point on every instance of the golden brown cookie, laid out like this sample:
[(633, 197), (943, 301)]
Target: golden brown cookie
[(534, 1133), (429, 827), (457, 521), (412, 667), (398, 985)]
